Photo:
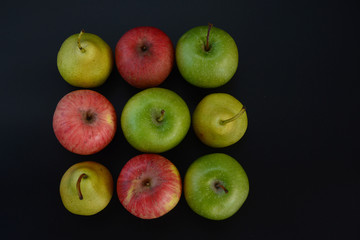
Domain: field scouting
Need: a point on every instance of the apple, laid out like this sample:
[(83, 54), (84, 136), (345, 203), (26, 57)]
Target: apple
[(207, 56), (84, 122), (155, 120), (215, 186), (144, 56), (149, 186), (85, 60), (219, 120), (86, 188)]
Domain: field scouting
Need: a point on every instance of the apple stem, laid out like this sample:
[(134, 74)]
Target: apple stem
[(207, 48), (78, 185), (89, 116), (159, 119), (219, 185), (78, 41), (223, 122)]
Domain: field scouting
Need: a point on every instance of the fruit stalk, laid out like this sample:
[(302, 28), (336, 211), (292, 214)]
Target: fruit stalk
[(78, 41), (159, 119), (78, 185), (219, 185), (207, 48), (223, 122)]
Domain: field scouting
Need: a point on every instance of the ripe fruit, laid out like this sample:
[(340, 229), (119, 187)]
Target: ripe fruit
[(84, 122), (155, 120), (216, 186), (85, 60), (219, 120), (207, 56), (86, 188), (149, 186), (144, 56)]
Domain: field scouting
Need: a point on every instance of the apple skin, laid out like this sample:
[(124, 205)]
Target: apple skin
[(207, 69), (144, 56), (96, 188), (84, 122), (85, 68), (149, 186), (143, 131), (207, 199), (209, 113)]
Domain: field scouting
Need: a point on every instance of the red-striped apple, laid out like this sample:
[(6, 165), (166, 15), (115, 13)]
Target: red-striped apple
[(84, 122), (149, 186)]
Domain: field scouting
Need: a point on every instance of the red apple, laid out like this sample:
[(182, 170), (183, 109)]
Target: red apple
[(149, 186), (84, 122), (144, 56)]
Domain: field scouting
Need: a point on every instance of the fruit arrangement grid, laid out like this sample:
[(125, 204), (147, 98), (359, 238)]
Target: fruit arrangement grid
[(153, 121)]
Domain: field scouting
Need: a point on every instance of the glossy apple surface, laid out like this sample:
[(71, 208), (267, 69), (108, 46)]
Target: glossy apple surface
[(219, 120), (84, 122), (86, 188), (155, 120), (85, 60), (149, 186), (207, 67), (216, 186), (144, 56)]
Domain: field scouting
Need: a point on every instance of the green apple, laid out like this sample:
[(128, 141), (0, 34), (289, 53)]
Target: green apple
[(155, 120), (86, 188), (219, 120), (216, 186), (207, 56), (85, 60)]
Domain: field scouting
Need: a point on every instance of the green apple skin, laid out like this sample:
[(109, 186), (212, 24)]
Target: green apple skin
[(207, 69), (201, 192), (139, 120), (96, 188), (209, 113), (86, 68)]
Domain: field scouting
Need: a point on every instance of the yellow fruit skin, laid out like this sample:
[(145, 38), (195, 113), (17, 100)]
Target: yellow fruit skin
[(85, 68), (208, 114), (97, 188)]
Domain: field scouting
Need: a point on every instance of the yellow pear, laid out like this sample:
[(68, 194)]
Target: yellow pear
[(219, 120), (85, 60), (86, 188)]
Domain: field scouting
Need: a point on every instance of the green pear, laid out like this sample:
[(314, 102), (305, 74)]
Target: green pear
[(219, 120), (86, 188), (85, 60)]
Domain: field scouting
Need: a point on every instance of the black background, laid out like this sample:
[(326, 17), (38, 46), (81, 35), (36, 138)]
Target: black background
[(297, 76)]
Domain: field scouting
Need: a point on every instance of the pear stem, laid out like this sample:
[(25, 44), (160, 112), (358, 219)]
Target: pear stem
[(78, 41), (223, 122), (219, 185), (207, 37), (78, 185), (159, 119)]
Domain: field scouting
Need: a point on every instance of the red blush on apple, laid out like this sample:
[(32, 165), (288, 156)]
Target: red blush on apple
[(84, 122), (144, 57), (149, 186)]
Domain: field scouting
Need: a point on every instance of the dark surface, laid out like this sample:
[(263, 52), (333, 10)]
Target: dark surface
[(298, 77)]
